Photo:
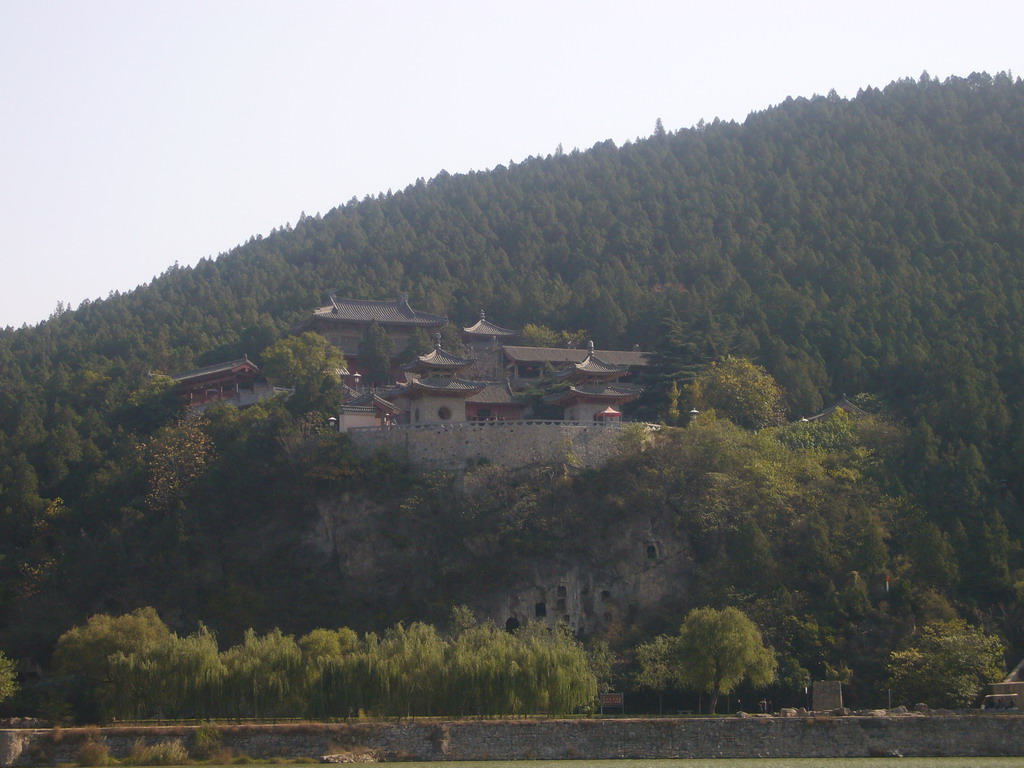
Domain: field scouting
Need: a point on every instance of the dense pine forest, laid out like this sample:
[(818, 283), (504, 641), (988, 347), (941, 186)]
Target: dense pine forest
[(870, 246)]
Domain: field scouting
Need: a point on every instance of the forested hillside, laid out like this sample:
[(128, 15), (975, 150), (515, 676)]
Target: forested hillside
[(870, 245)]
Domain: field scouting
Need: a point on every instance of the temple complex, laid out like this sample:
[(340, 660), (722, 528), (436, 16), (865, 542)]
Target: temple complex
[(444, 388)]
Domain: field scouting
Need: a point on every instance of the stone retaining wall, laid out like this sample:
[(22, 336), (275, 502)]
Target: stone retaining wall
[(455, 447), (967, 735)]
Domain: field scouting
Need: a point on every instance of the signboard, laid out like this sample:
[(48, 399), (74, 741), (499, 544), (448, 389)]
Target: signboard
[(610, 700)]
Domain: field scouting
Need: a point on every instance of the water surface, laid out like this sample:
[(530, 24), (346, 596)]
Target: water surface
[(765, 762)]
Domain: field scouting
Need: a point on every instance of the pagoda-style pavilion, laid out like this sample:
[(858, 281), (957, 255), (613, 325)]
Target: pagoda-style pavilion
[(434, 393), (595, 391), (485, 336), (234, 380)]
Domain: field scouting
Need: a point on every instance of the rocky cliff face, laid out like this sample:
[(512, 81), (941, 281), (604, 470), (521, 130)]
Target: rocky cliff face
[(490, 541)]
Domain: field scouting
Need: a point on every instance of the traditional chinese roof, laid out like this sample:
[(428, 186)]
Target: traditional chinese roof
[(592, 367), (844, 405), (440, 385), (436, 359), (484, 327), (614, 394), (371, 400), (397, 312), (495, 393), (231, 366), (560, 357)]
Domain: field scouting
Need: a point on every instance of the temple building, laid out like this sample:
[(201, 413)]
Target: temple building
[(594, 391), (524, 366), (234, 381), (485, 336), (367, 410), (434, 392), (344, 321), (496, 401)]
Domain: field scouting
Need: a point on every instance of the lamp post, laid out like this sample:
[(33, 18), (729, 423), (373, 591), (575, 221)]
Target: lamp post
[(333, 423)]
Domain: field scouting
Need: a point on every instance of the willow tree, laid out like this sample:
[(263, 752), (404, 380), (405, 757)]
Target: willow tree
[(717, 650), (411, 669), (264, 675), (113, 656), (484, 667), (8, 679)]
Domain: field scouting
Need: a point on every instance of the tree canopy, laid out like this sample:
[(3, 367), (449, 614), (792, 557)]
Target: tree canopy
[(741, 391), (718, 649), (946, 665), (8, 678)]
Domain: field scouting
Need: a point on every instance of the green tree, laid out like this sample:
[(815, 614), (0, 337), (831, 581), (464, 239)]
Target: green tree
[(946, 665), (308, 363), (534, 335), (107, 654), (263, 675), (716, 650), (152, 403), (375, 352), (657, 671), (744, 393), (672, 406), (176, 457), (8, 678), (419, 344)]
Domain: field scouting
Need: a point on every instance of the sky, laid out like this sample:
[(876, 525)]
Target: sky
[(136, 135)]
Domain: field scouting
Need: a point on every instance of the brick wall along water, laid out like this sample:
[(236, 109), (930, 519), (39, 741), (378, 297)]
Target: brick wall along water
[(966, 735)]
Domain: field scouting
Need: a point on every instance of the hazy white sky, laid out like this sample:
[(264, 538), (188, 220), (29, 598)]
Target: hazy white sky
[(136, 134)]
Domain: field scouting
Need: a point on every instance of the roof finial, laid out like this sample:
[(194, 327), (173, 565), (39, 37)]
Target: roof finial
[(481, 315), (437, 341), (590, 347)]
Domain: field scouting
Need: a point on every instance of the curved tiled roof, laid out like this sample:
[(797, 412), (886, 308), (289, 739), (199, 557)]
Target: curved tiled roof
[(397, 312), (484, 327), (438, 358), (242, 362), (494, 393), (557, 356), (372, 399), (447, 386), (594, 366), (618, 393)]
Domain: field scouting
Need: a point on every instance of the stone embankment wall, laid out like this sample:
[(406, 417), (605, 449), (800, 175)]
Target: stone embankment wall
[(752, 737), (458, 446)]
